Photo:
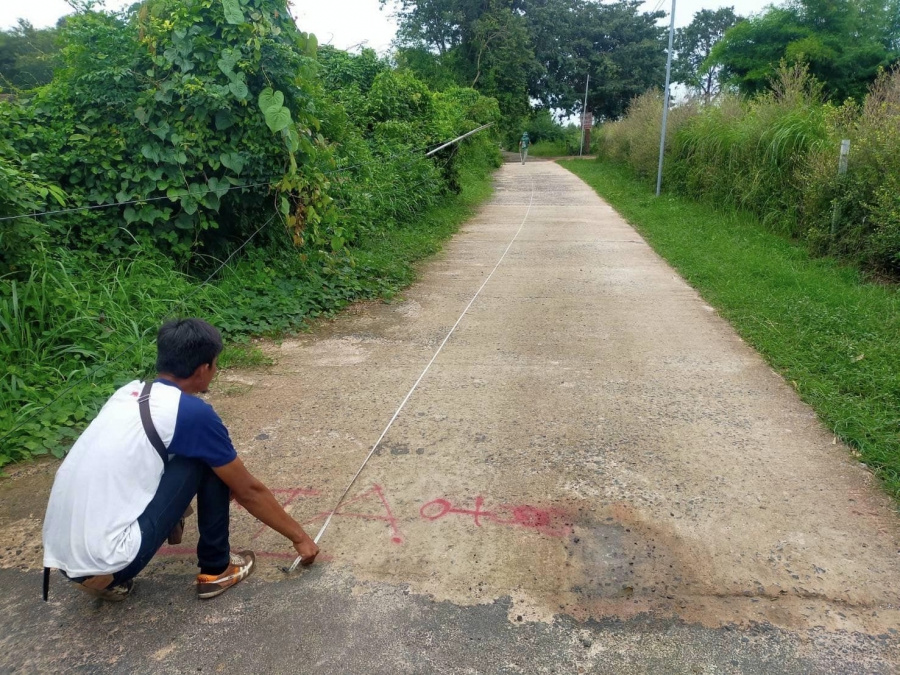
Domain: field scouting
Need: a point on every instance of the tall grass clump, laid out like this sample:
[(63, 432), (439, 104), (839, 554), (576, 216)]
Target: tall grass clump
[(776, 155), (634, 139), (61, 319), (857, 215), (748, 155)]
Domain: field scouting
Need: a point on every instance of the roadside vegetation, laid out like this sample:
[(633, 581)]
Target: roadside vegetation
[(777, 155), (226, 135), (210, 158)]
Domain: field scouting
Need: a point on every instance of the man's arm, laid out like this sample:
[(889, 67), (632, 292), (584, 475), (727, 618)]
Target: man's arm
[(261, 503)]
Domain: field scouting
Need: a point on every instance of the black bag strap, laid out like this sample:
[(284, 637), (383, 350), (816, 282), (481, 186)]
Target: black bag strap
[(147, 421), (46, 593)]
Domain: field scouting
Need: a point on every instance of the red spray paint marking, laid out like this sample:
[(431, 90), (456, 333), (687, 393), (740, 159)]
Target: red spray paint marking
[(378, 492), (520, 515)]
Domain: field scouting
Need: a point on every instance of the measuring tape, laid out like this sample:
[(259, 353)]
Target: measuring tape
[(327, 522)]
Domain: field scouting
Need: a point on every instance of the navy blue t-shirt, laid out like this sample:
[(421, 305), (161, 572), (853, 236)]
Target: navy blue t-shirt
[(199, 432)]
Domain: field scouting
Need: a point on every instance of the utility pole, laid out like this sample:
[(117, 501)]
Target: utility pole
[(584, 116), (662, 138)]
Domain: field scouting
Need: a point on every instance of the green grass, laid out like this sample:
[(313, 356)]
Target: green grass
[(242, 355), (390, 256), (549, 149), (832, 334)]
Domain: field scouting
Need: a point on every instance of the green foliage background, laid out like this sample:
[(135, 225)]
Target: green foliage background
[(776, 155), (214, 117), (525, 51), (844, 43)]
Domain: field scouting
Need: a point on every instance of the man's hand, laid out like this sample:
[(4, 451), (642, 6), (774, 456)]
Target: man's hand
[(258, 500), (307, 550)]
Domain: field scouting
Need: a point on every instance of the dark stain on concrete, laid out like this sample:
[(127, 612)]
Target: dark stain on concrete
[(326, 622)]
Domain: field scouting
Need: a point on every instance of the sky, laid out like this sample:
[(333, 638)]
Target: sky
[(343, 23)]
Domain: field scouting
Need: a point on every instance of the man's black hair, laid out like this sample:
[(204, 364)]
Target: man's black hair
[(183, 345)]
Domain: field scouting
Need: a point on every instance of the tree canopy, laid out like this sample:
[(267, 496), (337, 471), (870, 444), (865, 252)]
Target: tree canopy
[(524, 51), (694, 44), (27, 55), (845, 43)]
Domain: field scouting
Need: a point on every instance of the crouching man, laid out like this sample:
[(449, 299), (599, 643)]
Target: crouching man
[(129, 479)]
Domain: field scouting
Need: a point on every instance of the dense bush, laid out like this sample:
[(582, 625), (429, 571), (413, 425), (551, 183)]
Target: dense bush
[(777, 156), (214, 118)]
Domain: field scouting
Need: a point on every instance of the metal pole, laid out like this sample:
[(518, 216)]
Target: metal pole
[(584, 113), (662, 138), (842, 171)]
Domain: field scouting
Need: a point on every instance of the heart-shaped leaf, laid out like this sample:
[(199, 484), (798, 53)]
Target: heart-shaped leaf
[(312, 44), (150, 152), (233, 13), (161, 131), (239, 89), (189, 205), (270, 100), (293, 139), (233, 161), (224, 120), (227, 61), (211, 201), (278, 119), (218, 186)]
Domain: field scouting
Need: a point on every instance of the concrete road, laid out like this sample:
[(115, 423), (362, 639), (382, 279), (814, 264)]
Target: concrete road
[(596, 476)]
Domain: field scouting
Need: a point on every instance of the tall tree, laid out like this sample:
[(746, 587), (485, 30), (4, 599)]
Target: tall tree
[(693, 45), (483, 43), (536, 50), (844, 42), (619, 46)]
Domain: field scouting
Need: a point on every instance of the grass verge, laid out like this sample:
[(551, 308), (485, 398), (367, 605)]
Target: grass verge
[(832, 334), (392, 254)]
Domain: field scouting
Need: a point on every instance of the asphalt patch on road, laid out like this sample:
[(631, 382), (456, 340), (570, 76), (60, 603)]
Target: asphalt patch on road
[(326, 622)]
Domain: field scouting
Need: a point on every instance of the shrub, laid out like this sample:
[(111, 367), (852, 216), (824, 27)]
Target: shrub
[(635, 138), (170, 104)]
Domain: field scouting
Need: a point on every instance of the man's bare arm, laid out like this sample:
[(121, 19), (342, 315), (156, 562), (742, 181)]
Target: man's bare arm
[(261, 503)]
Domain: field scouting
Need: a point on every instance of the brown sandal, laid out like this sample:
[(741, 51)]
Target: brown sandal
[(178, 531)]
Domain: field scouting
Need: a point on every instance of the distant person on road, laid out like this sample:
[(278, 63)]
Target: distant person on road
[(524, 142), (127, 484)]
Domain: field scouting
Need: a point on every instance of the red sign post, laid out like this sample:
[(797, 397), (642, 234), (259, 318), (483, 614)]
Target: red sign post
[(587, 122)]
